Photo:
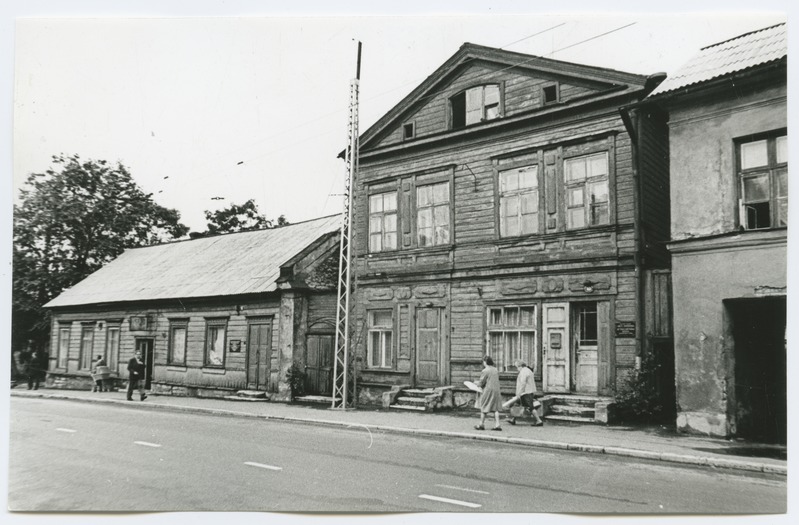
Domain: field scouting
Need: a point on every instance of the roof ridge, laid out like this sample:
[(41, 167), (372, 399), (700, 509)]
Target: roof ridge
[(743, 35)]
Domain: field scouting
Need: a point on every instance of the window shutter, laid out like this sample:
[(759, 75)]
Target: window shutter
[(405, 217), (603, 348)]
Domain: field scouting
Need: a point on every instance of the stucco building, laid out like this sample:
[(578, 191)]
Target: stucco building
[(727, 110)]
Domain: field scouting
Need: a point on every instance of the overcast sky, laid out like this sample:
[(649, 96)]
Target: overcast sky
[(214, 110)]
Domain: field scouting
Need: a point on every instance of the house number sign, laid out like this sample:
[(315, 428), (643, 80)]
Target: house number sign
[(625, 329)]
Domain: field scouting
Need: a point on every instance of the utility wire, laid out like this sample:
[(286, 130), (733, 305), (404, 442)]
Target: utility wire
[(592, 38), (531, 36)]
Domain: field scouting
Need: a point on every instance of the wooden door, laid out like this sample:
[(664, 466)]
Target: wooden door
[(259, 344), (556, 347), (319, 364), (145, 346), (586, 347), (428, 346)]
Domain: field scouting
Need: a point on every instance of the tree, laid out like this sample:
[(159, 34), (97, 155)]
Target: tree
[(238, 218), (72, 220)]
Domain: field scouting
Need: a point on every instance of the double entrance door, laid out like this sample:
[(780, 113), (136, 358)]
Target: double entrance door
[(575, 341), (259, 345)]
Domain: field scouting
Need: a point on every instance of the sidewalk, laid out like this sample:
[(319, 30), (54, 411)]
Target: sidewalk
[(652, 443)]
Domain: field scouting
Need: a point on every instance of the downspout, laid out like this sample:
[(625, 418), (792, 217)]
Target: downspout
[(632, 122)]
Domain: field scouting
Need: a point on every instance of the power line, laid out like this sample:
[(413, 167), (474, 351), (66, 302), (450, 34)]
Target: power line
[(531, 36), (592, 38)]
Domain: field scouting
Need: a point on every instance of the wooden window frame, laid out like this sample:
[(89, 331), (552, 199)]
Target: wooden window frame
[(388, 362), (405, 127), (580, 308), (771, 170), (584, 183), (544, 101), (62, 358), (173, 325), (530, 356), (381, 215), (483, 111), (211, 324), (433, 205), (519, 192), (84, 361), (113, 364)]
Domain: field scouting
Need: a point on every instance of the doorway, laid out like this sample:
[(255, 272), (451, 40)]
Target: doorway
[(319, 365), (556, 349), (428, 346), (259, 346), (586, 347), (145, 346), (759, 409)]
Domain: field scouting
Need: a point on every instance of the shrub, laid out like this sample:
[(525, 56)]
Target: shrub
[(296, 379), (639, 399)]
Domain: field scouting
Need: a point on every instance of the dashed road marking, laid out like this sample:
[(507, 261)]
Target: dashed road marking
[(463, 489), (261, 465), (146, 444), (66, 430), (451, 501)]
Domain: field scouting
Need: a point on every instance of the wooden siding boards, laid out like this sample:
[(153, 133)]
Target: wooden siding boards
[(478, 268)]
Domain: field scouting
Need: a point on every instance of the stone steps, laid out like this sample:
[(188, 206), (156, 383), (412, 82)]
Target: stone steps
[(408, 407), (572, 419)]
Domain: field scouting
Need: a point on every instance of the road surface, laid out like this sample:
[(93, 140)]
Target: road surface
[(69, 456)]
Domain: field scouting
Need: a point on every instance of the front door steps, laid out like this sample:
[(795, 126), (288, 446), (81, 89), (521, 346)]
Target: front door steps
[(575, 408), (403, 397)]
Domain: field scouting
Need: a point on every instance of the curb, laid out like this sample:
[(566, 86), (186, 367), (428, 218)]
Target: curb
[(667, 457)]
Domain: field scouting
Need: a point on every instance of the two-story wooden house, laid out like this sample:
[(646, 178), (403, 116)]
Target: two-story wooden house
[(728, 140), (500, 209)]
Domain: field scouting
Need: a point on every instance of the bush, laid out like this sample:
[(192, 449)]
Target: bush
[(639, 399), (296, 379)]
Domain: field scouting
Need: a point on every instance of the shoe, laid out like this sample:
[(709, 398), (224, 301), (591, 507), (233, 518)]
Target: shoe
[(143, 397), (539, 424), (511, 421), (130, 399), (479, 427), (498, 429)]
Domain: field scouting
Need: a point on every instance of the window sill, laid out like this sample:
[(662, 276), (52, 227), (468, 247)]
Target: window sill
[(383, 371), (176, 368), (218, 370), (441, 248)]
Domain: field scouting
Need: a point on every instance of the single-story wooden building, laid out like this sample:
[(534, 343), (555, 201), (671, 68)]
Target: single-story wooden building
[(211, 316)]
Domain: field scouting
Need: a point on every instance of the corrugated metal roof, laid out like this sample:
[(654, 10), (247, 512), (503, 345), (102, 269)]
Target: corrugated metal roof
[(231, 264), (731, 56)]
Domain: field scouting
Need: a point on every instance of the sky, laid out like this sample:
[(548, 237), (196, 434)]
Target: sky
[(209, 111)]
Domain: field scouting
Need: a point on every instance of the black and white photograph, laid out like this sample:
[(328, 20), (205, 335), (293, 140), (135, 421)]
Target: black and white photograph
[(404, 263)]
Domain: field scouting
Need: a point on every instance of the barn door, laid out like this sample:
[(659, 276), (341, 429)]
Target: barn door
[(556, 347)]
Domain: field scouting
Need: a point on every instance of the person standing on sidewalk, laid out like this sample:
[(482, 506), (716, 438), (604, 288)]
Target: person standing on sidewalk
[(490, 398), (100, 371), (136, 376), (525, 392)]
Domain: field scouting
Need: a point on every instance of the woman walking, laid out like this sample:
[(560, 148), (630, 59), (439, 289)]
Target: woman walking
[(490, 398)]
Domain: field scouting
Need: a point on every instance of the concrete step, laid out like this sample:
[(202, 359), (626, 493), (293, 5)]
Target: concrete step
[(588, 401), (572, 410), (404, 400), (418, 392), (572, 419), (408, 407)]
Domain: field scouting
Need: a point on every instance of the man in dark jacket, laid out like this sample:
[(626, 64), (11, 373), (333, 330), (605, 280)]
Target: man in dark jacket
[(136, 376)]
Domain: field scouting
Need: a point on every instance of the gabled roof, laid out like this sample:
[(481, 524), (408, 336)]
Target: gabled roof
[(469, 52), (223, 265), (731, 56)]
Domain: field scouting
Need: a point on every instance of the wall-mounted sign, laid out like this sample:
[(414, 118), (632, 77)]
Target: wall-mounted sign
[(234, 346), (140, 323), (625, 329)]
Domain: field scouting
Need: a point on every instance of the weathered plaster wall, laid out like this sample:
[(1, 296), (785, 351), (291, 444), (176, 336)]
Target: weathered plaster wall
[(702, 281), (704, 192)]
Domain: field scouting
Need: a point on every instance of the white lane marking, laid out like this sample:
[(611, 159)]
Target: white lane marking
[(66, 430), (463, 489), (261, 465), (146, 444), (452, 501)]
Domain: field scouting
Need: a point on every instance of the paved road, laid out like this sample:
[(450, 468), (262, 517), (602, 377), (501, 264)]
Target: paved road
[(68, 456)]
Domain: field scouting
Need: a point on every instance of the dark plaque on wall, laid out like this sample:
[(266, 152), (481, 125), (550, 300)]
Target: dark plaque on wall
[(625, 329), (234, 346)]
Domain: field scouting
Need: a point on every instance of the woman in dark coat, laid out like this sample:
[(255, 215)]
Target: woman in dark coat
[(490, 398)]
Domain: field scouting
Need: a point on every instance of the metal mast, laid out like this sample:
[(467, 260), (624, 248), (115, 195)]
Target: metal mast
[(341, 360)]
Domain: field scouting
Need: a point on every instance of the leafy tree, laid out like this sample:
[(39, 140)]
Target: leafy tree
[(71, 220), (238, 218)]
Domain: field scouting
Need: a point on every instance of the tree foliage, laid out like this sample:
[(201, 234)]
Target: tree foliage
[(238, 218), (71, 220)]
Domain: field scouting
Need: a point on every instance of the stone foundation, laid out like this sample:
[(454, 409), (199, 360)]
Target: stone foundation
[(703, 423)]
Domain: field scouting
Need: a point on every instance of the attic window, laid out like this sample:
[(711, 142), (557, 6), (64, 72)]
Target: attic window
[(475, 105), (408, 131), (550, 94)]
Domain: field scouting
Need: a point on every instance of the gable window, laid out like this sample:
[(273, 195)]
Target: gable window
[(475, 105), (63, 345), (215, 331), (518, 201), (112, 346), (177, 342), (511, 335), (763, 175), (549, 94), (587, 200), (381, 337), (383, 222), (408, 131), (432, 214), (86, 346)]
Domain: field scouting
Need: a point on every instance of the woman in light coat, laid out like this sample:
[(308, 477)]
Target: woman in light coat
[(490, 398)]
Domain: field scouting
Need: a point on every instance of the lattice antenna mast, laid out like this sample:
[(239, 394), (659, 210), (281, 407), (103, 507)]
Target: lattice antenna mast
[(341, 361)]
